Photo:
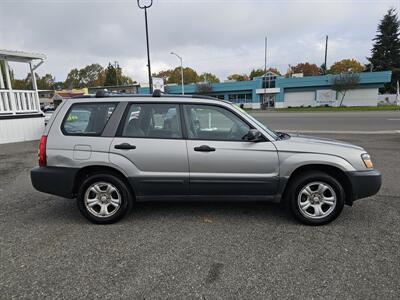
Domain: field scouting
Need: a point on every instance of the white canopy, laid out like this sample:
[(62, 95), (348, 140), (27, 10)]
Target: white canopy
[(18, 101), (20, 56)]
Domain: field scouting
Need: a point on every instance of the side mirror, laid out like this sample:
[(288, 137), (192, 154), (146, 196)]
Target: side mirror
[(254, 136)]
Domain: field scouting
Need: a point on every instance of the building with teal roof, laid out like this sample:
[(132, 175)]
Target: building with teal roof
[(272, 90)]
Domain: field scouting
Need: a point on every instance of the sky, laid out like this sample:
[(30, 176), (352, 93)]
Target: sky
[(220, 36)]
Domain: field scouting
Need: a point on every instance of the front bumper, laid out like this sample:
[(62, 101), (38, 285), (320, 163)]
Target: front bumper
[(364, 183), (54, 180)]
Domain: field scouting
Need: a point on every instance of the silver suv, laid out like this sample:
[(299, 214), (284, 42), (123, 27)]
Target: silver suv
[(110, 151)]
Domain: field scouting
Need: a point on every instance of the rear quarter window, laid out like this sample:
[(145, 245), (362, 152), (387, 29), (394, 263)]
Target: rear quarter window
[(87, 118)]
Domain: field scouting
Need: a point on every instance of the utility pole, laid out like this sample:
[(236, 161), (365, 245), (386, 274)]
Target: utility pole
[(180, 58), (145, 7), (265, 61), (326, 55), (116, 66), (265, 72)]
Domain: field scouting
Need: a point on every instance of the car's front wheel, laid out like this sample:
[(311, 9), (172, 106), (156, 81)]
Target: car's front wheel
[(104, 198), (315, 198)]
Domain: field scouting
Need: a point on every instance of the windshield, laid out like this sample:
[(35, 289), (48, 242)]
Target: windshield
[(269, 131)]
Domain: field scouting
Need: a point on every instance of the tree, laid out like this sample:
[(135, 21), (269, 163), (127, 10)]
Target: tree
[(124, 80), (274, 70), (111, 75), (92, 75), (256, 73), (175, 76), (21, 84), (307, 69), (260, 72), (18, 84), (208, 77), (346, 65), (73, 79), (386, 48), (114, 76), (58, 85), (189, 76), (238, 77), (165, 74), (344, 82), (96, 75), (44, 83)]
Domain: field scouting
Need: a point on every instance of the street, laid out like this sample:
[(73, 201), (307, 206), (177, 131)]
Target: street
[(206, 250), (364, 122)]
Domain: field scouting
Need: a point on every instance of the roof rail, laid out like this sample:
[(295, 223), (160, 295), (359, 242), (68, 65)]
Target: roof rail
[(204, 97), (156, 94), (82, 96), (105, 94)]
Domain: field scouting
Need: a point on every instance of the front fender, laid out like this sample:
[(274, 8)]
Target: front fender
[(290, 161)]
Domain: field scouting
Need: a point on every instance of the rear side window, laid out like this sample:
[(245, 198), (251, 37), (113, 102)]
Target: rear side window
[(152, 121), (87, 118)]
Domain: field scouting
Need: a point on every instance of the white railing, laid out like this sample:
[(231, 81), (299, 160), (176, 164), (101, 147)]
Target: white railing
[(19, 101), (5, 102)]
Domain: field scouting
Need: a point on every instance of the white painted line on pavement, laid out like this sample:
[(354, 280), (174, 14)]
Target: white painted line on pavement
[(393, 119), (342, 131)]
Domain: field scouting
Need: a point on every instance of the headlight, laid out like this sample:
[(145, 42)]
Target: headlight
[(367, 160)]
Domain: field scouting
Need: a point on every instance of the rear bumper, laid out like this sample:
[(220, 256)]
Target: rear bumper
[(365, 183), (54, 180)]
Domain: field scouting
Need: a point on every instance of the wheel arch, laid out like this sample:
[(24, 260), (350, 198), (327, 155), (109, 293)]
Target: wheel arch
[(333, 171), (85, 172)]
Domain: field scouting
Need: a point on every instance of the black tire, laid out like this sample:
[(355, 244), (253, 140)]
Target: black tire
[(122, 191), (310, 177)]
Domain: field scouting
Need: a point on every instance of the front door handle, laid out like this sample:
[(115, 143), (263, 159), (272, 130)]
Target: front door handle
[(204, 148), (125, 146)]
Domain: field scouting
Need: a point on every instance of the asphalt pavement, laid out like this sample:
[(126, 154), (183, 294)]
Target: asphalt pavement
[(200, 250), (359, 122)]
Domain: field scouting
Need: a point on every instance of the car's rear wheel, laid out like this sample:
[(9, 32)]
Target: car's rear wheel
[(315, 198), (104, 198)]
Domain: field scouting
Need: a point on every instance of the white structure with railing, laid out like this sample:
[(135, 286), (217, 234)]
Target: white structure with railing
[(20, 116)]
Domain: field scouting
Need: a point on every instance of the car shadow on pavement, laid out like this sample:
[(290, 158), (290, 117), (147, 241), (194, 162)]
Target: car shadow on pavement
[(211, 212), (206, 212)]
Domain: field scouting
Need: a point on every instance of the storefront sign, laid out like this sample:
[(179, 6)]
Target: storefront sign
[(158, 84), (325, 97)]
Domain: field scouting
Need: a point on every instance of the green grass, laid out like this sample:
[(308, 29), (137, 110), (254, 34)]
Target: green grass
[(343, 108)]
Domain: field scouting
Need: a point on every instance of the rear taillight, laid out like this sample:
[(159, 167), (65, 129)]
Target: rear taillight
[(42, 151)]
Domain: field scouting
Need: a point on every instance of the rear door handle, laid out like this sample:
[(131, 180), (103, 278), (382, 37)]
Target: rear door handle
[(125, 146), (204, 148)]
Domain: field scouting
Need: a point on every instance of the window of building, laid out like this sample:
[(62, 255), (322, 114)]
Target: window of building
[(87, 118), (268, 81), (240, 98), (152, 121)]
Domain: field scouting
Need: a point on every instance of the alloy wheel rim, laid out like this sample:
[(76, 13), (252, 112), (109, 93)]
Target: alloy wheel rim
[(102, 199), (316, 200)]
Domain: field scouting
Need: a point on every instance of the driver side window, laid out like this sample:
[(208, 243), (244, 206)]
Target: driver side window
[(206, 122)]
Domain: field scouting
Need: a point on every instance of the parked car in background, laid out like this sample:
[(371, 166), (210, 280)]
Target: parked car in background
[(111, 151)]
